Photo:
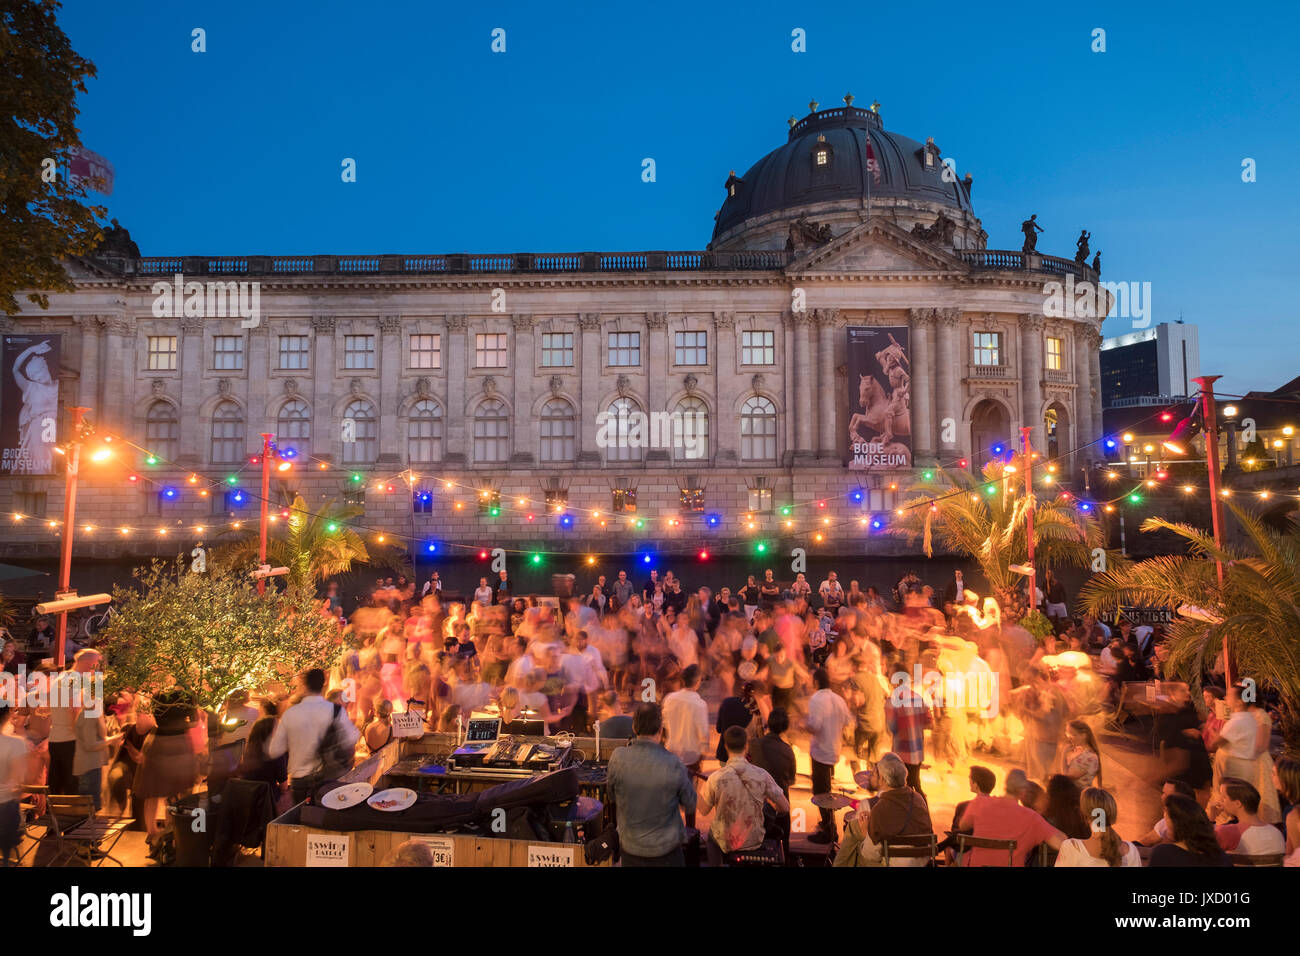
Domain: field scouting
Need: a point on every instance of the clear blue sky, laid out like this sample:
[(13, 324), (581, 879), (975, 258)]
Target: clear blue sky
[(238, 150)]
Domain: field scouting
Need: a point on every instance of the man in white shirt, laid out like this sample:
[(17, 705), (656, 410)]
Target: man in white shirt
[(63, 720), (301, 730), (1249, 836), (13, 767), (828, 716), (686, 718)]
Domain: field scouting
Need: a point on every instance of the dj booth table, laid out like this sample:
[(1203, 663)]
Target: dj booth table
[(311, 836)]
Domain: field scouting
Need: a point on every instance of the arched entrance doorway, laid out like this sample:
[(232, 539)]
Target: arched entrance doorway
[(1056, 430), (989, 425)]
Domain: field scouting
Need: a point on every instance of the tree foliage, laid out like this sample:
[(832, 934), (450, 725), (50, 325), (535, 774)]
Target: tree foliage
[(1256, 610), (986, 519), (207, 634), (313, 546), (41, 223)]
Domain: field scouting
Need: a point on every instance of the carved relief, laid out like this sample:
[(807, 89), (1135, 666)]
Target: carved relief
[(224, 386), (489, 386), (690, 381), (623, 385), (354, 387), (457, 323), (589, 321), (758, 381), (390, 323), (291, 386), (724, 320), (323, 323), (423, 387), (522, 321), (157, 387), (556, 384), (657, 320)]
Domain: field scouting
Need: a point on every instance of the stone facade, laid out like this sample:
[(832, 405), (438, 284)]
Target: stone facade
[(338, 346)]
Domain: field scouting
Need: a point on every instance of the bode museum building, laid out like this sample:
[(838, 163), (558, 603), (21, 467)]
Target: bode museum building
[(845, 328)]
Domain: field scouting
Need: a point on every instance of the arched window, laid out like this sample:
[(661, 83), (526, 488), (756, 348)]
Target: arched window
[(293, 427), (690, 430), (758, 430), (161, 430), (491, 432), (364, 431), (424, 432), (559, 427), (626, 431), (227, 434)]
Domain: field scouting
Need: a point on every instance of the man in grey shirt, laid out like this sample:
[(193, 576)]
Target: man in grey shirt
[(649, 787)]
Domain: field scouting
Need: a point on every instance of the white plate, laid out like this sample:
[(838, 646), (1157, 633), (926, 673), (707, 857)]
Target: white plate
[(340, 798), (400, 797)]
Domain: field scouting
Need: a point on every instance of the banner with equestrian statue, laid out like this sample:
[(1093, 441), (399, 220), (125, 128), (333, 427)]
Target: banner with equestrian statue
[(880, 413)]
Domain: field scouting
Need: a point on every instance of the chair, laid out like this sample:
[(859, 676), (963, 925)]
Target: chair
[(1258, 859), (921, 846), (1046, 855), (76, 828), (31, 818), (966, 841)]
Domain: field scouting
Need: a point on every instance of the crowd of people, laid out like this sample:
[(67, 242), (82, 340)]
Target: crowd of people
[(721, 697)]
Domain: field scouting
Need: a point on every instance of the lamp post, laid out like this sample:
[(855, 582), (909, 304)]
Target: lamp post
[(262, 519), (69, 513), (1212, 464), (1230, 421), (1289, 431)]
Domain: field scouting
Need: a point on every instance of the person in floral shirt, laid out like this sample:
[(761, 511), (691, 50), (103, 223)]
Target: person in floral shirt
[(738, 792), (1082, 759)]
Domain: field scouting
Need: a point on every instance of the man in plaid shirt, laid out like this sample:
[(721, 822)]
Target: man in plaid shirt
[(907, 714)]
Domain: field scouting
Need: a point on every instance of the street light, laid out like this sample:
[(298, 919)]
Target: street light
[(284, 461)]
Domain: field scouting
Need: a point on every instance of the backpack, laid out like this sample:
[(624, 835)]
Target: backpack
[(336, 757)]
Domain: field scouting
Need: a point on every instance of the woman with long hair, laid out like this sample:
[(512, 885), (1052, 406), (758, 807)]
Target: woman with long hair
[(1103, 847), (1063, 810), (1192, 841), (1081, 761)]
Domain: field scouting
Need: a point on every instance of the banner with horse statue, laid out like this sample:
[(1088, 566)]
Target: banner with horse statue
[(880, 384)]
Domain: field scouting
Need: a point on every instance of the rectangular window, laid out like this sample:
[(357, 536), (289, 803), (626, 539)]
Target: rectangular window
[(293, 352), (228, 352), (692, 499), (490, 350), (988, 348), (151, 502), (624, 498), (760, 499), (557, 349), (426, 351), (358, 351), (30, 504), (1055, 353), (757, 348), (624, 348), (162, 353), (489, 503), (692, 348), (422, 502)]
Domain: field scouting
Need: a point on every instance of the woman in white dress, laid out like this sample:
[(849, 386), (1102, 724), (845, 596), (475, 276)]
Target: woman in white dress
[(1104, 847), (1241, 751)]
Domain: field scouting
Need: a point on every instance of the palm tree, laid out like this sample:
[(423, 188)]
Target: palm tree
[(1254, 615), (987, 520), (313, 546)]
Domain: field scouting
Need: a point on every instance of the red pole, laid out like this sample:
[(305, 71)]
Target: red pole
[(1216, 505), (1029, 517), (266, 494), (69, 513)]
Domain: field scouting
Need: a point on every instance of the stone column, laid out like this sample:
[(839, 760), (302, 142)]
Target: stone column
[(948, 392), (923, 445), (657, 348), (122, 358), (828, 442), (805, 428), (1092, 393), (325, 439), (260, 418), (724, 426), (1086, 429), (88, 378), (589, 387), (190, 392), (1031, 376), (525, 428), (789, 410), (390, 385), (457, 435)]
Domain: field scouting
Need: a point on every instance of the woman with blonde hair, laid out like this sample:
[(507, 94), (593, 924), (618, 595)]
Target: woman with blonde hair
[(1104, 846)]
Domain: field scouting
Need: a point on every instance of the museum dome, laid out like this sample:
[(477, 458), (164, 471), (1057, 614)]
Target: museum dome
[(823, 166)]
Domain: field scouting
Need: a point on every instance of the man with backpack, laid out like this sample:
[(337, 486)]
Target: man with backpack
[(317, 735)]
